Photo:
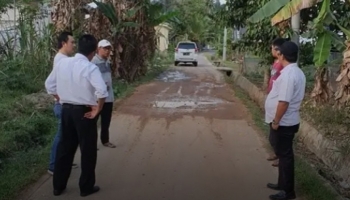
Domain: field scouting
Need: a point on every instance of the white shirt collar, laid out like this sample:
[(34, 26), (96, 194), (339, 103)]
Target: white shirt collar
[(289, 66), (81, 56)]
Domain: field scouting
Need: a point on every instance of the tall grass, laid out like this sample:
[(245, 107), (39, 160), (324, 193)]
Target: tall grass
[(27, 53), (26, 131)]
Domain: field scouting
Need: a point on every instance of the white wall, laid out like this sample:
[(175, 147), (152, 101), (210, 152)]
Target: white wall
[(8, 27), (162, 32)]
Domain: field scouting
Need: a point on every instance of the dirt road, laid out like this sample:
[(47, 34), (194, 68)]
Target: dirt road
[(184, 136)]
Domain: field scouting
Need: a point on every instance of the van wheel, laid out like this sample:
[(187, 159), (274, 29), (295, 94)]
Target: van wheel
[(195, 64), (176, 63)]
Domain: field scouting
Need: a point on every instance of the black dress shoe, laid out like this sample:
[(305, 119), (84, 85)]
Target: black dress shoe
[(94, 190), (273, 186), (283, 196), (58, 192)]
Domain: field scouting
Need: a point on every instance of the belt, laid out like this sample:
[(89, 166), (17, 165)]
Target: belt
[(68, 105)]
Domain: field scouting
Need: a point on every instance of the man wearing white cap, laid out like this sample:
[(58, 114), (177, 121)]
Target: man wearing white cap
[(101, 60)]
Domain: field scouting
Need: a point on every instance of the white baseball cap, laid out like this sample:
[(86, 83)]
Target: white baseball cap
[(104, 43)]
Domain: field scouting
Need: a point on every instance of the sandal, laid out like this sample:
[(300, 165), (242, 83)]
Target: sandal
[(275, 164), (110, 145)]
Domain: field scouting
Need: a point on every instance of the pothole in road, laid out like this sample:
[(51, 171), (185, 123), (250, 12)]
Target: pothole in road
[(208, 85), (188, 103), (172, 76), (174, 104)]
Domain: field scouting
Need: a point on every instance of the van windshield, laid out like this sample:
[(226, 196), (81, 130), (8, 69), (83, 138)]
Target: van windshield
[(186, 46)]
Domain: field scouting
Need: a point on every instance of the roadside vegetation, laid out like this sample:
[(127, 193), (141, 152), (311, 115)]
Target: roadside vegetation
[(309, 184), (324, 59)]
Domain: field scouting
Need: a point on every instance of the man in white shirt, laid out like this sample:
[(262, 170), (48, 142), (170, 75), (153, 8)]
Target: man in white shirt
[(102, 62), (76, 82), (282, 113), (66, 46)]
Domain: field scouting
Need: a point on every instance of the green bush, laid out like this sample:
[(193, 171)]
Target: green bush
[(306, 54), (25, 132), (12, 78)]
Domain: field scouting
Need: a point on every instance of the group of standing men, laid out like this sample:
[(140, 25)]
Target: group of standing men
[(285, 93), (82, 88)]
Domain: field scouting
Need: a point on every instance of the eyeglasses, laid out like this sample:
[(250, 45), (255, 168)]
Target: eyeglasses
[(107, 48)]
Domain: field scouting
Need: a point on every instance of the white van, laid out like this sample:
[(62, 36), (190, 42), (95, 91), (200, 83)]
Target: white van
[(186, 52)]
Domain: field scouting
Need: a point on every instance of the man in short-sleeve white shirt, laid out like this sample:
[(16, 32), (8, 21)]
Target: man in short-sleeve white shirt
[(66, 46), (282, 107), (76, 82)]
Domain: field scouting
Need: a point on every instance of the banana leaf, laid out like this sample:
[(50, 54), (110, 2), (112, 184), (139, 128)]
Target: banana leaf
[(292, 8), (323, 48), (337, 42), (269, 9), (108, 10), (345, 31), (324, 16)]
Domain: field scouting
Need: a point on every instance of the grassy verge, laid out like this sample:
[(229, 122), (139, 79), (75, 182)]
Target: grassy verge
[(309, 184), (25, 134), (325, 118), (328, 120)]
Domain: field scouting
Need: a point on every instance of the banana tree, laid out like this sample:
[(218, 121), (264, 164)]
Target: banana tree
[(343, 92), (322, 90), (117, 23), (283, 10), (156, 13), (134, 29)]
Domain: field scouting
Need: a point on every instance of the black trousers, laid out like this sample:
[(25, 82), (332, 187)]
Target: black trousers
[(106, 116), (284, 136), (76, 130), (273, 139)]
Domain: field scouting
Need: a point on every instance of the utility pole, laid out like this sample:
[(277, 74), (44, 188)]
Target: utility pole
[(14, 12), (225, 41), (296, 28), (15, 23), (295, 21), (224, 46)]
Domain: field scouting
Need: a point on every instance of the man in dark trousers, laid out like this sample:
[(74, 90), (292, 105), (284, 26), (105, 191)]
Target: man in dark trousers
[(282, 113), (275, 72), (102, 62), (66, 46), (76, 82)]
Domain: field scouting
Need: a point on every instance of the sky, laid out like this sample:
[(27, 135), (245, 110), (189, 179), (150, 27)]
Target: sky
[(222, 1)]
